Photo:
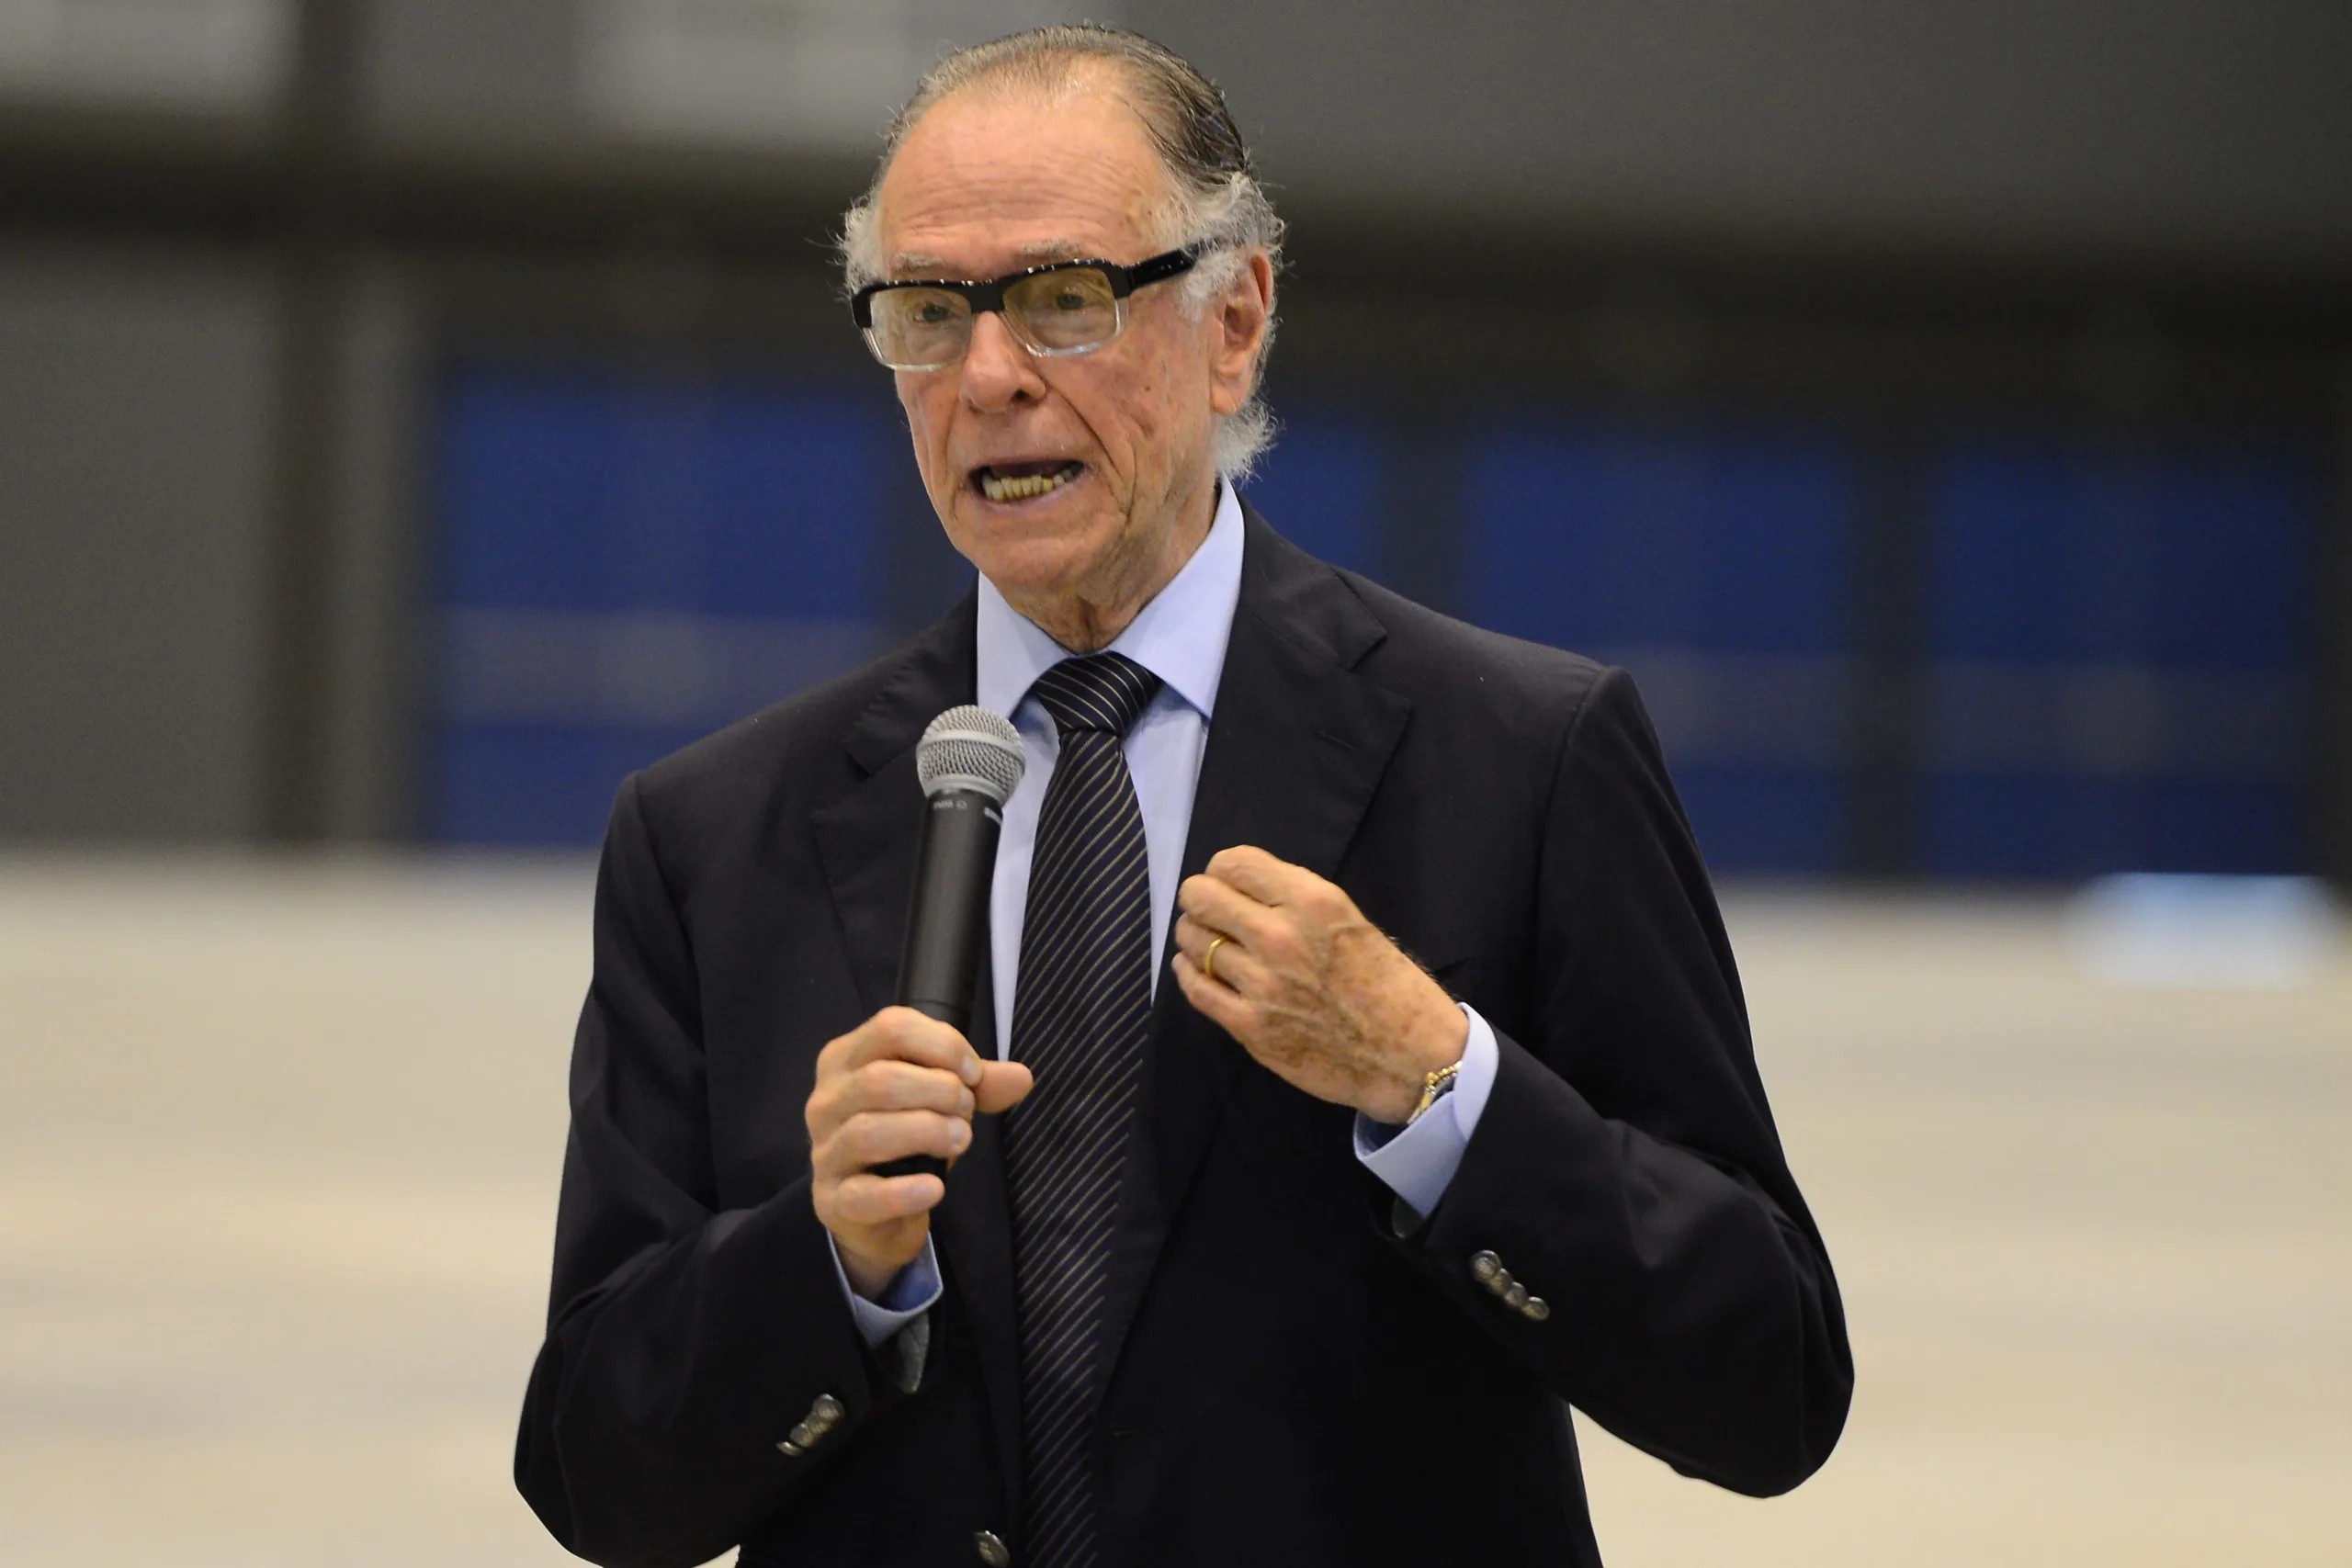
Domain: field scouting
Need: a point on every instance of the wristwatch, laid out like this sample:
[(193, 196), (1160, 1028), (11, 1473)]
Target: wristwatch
[(1434, 1087)]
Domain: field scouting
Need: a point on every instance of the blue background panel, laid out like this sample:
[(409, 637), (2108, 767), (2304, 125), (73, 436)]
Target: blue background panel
[(537, 786), (2036, 828), (1724, 546), (1595, 536), (2183, 558), (1765, 821), (1321, 487), (596, 492)]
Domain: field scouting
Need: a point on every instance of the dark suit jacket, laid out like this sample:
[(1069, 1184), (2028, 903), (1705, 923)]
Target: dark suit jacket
[(1291, 1381)]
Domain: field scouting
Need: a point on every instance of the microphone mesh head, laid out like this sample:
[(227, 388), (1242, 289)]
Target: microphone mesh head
[(970, 747)]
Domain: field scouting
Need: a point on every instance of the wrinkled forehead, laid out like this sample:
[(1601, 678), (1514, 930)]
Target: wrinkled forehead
[(908, 262), (1002, 179)]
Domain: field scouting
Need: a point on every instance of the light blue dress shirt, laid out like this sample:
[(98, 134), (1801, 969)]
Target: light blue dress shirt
[(1180, 637)]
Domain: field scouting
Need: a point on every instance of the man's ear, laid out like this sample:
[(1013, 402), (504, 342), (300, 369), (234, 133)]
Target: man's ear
[(1243, 313)]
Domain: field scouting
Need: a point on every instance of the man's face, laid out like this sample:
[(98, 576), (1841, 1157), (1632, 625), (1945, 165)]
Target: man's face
[(989, 183)]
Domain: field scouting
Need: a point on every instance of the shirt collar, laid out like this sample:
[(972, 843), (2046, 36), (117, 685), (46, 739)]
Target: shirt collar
[(1179, 635)]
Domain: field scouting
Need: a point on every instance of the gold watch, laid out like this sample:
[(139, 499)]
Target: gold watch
[(1433, 1089)]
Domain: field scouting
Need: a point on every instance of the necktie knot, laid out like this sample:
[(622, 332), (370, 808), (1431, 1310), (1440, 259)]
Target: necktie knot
[(1104, 693)]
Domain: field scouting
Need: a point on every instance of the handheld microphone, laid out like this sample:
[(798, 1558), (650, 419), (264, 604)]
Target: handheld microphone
[(969, 761)]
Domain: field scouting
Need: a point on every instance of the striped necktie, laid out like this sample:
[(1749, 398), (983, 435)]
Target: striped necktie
[(1082, 1009)]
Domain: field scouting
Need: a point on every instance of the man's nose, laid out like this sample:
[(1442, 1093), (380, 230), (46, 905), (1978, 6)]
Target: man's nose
[(998, 372)]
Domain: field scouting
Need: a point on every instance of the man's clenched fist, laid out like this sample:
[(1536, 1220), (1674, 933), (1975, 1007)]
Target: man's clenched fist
[(898, 1084), (1312, 990)]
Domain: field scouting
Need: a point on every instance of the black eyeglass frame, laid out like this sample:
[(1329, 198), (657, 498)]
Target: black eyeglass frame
[(988, 294)]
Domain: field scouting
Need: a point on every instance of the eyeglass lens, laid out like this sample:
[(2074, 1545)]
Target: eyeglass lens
[(1062, 311)]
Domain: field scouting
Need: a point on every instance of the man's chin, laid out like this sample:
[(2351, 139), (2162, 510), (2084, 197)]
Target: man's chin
[(1032, 557)]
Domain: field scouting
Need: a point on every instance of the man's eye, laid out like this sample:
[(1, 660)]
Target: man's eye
[(933, 313), (1070, 300)]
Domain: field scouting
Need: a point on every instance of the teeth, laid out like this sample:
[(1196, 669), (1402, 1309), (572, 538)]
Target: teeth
[(1026, 486)]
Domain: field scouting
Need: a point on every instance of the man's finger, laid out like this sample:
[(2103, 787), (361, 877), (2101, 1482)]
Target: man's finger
[(895, 1085), (1215, 1002), (1003, 1086), (1234, 964), (1226, 910), (903, 1034), (1267, 878), (865, 1199), (875, 1137)]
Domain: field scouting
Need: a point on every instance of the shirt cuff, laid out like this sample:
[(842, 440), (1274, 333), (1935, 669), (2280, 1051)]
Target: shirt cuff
[(914, 1292), (1418, 1162)]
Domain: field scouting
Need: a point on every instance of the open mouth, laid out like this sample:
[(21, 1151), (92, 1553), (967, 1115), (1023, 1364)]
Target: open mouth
[(1024, 482)]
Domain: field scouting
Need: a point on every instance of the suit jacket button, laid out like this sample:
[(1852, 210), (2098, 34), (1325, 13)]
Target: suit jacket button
[(1485, 1266), (791, 1449), (802, 1434), (1517, 1298), (1537, 1309), (826, 1411), (992, 1551)]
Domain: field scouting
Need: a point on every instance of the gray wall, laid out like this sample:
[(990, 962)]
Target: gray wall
[(135, 406), (2019, 125), (2214, 127), (2190, 127)]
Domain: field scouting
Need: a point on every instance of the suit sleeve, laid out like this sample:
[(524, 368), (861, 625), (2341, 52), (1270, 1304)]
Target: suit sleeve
[(684, 1343), (1626, 1169)]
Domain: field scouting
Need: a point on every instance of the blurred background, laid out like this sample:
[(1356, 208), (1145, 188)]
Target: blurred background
[(415, 414)]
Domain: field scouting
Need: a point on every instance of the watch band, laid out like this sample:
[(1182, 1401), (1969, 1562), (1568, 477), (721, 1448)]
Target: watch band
[(1433, 1089)]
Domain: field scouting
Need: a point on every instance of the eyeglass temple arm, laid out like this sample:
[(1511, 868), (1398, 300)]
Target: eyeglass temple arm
[(1160, 266)]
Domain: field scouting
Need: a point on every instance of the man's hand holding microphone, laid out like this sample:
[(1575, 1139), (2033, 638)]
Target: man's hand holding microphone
[(904, 1085), (898, 1084)]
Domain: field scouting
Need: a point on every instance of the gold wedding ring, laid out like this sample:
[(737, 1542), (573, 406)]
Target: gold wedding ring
[(1208, 959)]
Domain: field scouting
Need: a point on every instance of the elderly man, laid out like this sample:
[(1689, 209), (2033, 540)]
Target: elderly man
[(1359, 1077)]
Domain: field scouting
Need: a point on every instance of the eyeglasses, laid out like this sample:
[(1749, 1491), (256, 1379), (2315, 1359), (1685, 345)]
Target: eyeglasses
[(1063, 308)]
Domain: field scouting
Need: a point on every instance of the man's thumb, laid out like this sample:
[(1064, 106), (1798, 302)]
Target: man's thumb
[(1001, 1086)]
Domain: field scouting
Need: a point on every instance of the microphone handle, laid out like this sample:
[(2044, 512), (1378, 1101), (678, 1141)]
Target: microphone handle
[(948, 921)]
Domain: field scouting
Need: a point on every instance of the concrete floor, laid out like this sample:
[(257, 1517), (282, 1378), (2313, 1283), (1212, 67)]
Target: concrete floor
[(279, 1149)]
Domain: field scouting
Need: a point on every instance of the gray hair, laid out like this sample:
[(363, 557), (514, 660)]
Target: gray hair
[(1217, 206)]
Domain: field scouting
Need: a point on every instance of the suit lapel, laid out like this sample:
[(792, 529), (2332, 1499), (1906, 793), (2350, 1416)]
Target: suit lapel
[(867, 837), (1296, 747), (866, 840)]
